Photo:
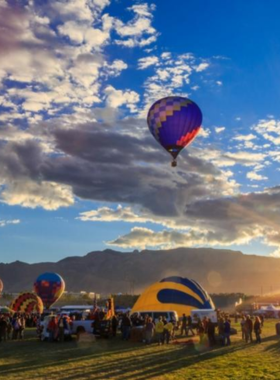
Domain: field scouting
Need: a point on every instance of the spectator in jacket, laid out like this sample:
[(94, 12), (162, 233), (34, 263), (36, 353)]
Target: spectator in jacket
[(126, 326), (159, 331), (115, 323), (167, 332), (243, 327), (248, 329), (3, 329), (227, 332), (189, 326), (257, 329), (221, 331), (211, 333), (149, 331), (52, 328), (200, 330), (184, 325)]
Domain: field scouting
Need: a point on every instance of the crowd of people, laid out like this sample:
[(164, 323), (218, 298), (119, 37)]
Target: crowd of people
[(161, 331), (13, 327)]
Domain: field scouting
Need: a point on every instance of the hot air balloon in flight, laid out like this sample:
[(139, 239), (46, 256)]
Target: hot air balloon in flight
[(49, 287), (174, 122), (27, 303)]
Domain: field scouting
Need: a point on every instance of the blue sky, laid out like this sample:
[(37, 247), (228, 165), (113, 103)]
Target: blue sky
[(80, 170)]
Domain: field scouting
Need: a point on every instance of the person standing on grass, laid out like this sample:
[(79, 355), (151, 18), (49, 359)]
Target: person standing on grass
[(184, 325), (227, 341), (257, 329), (200, 331), (61, 329), (221, 331), (189, 326), (52, 327), (243, 327), (149, 331), (22, 326), (16, 327), (248, 329), (3, 329), (126, 326), (211, 333), (115, 323), (159, 331), (168, 328)]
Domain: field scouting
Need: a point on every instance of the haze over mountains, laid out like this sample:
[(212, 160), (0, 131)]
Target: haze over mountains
[(109, 271)]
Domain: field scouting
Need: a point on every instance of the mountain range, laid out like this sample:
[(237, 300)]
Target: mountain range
[(108, 271)]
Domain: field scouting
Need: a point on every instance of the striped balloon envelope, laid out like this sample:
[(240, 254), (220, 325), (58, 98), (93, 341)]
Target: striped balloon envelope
[(174, 122), (174, 294), (27, 303)]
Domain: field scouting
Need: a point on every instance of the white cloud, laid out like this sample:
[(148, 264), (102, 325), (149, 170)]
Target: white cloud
[(4, 223), (253, 176), (201, 67), (219, 83), (48, 195), (117, 98), (139, 31), (219, 129), (245, 137), (143, 63)]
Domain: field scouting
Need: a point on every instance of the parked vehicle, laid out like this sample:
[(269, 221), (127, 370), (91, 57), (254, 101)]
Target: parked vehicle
[(82, 326), (103, 329), (43, 332), (169, 315), (203, 313)]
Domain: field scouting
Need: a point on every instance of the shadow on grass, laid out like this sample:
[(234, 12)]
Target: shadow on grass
[(275, 347), (111, 359)]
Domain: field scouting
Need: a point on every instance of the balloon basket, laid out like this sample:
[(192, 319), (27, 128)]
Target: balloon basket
[(174, 164)]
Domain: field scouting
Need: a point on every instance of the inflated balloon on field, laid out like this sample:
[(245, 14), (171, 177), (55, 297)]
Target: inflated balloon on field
[(174, 293), (49, 287), (174, 122), (27, 303)]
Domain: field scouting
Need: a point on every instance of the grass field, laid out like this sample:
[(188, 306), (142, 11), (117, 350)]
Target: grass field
[(115, 359)]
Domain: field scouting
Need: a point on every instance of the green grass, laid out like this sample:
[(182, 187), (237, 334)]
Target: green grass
[(114, 359)]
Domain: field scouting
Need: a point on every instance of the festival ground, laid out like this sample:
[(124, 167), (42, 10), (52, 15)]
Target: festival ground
[(115, 359)]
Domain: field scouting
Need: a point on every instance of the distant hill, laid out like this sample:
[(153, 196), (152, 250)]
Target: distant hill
[(105, 272)]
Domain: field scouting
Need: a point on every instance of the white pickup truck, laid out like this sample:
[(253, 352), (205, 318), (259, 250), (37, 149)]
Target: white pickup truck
[(75, 328), (82, 326)]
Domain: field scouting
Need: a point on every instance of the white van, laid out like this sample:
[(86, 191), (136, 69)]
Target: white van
[(202, 313), (169, 315)]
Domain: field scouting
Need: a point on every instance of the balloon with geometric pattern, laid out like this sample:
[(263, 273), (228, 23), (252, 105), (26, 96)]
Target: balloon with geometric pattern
[(174, 293), (27, 303), (174, 122), (49, 287)]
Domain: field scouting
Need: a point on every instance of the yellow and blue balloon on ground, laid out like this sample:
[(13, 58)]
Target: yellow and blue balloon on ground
[(174, 294)]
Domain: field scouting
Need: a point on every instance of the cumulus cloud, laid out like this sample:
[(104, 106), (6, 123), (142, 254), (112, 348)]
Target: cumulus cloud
[(253, 176), (236, 220), (269, 129), (116, 98), (143, 63), (139, 31)]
